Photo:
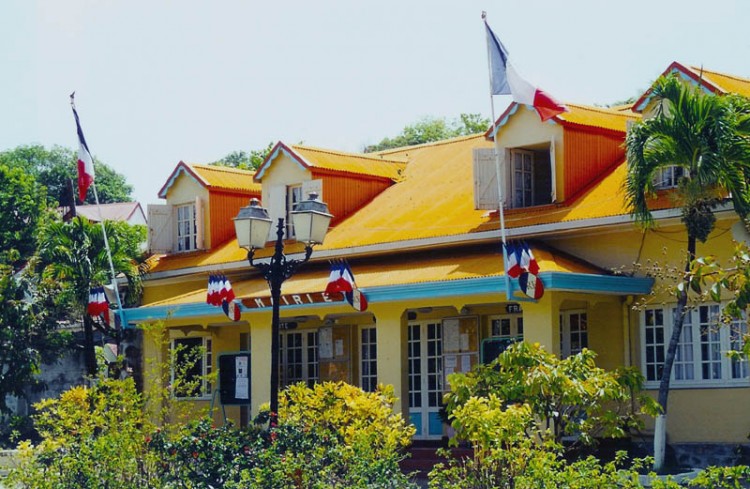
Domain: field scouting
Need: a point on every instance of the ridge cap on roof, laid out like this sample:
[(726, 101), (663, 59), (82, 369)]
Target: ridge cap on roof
[(336, 152), (605, 110), (229, 169), (441, 142), (699, 69)]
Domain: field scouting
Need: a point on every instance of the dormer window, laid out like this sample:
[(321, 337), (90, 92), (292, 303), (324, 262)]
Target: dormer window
[(528, 176)]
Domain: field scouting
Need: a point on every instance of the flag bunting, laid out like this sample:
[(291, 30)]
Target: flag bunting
[(506, 81), (98, 304), (341, 280), (220, 294), (522, 264)]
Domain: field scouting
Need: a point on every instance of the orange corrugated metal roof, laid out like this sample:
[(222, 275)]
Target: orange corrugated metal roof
[(214, 177), (428, 267), (614, 119), (727, 83), (363, 164), (227, 178), (371, 165), (434, 199)]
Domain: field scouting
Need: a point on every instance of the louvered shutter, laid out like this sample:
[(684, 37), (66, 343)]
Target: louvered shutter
[(160, 229), (485, 179)]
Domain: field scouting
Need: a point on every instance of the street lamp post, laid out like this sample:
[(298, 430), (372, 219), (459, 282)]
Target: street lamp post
[(252, 226)]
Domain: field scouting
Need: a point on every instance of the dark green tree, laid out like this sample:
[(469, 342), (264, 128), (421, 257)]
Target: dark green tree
[(74, 255), (432, 129), (708, 137), (22, 208), (28, 333), (54, 167), (245, 161)]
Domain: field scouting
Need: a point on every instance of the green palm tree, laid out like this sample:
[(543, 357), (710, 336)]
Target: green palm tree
[(706, 136), (74, 254)]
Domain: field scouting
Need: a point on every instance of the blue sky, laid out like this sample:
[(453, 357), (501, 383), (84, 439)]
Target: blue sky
[(162, 81)]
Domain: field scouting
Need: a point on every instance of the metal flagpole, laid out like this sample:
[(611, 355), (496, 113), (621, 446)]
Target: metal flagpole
[(106, 246), (498, 170)]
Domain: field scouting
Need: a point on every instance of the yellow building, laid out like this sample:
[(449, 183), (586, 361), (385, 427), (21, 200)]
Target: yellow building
[(420, 230)]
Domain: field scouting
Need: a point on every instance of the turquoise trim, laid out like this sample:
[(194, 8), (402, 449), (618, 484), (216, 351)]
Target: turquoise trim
[(176, 174), (553, 281), (505, 118), (273, 156)]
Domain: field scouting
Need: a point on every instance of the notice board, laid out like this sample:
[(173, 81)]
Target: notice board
[(234, 378)]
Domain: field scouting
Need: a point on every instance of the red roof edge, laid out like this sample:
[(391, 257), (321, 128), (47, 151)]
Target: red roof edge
[(258, 177), (687, 71), (181, 166)]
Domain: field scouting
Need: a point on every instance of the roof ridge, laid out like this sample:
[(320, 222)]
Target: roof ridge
[(347, 153), (229, 169), (604, 110), (432, 143), (699, 69)]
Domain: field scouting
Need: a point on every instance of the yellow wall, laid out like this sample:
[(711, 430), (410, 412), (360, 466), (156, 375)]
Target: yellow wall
[(523, 130), (184, 191)]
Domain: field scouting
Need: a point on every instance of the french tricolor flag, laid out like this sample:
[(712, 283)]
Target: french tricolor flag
[(505, 81), (85, 161), (341, 279), (98, 304), (513, 255)]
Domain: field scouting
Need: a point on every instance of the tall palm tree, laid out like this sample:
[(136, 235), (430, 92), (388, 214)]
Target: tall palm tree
[(707, 137), (75, 255)]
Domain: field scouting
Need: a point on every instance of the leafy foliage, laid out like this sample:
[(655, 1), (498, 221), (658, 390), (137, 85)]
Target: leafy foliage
[(22, 210), (28, 333), (546, 397), (245, 161), (74, 254), (54, 168), (91, 437), (432, 129)]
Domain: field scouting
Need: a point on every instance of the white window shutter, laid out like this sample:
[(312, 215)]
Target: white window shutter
[(199, 225), (312, 186), (552, 177), (276, 207), (485, 179), (160, 229)]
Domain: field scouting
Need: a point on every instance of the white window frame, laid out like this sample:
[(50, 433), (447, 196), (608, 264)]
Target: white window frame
[(526, 177), (574, 334), (701, 351), (308, 360), (293, 197), (206, 342), (506, 325), (187, 227), (368, 358)]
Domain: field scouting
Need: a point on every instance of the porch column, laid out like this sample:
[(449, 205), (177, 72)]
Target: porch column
[(260, 360), (391, 356), (541, 322)]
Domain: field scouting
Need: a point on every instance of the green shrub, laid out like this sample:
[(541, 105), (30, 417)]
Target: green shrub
[(91, 437), (332, 435)]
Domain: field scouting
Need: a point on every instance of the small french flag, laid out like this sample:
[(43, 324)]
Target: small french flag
[(513, 266), (98, 304), (528, 262), (342, 280)]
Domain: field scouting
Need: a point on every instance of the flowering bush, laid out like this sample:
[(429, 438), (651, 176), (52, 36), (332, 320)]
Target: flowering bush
[(91, 437), (330, 436)]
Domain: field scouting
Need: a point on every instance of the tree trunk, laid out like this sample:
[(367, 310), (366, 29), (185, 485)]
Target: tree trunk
[(660, 434), (89, 353)]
